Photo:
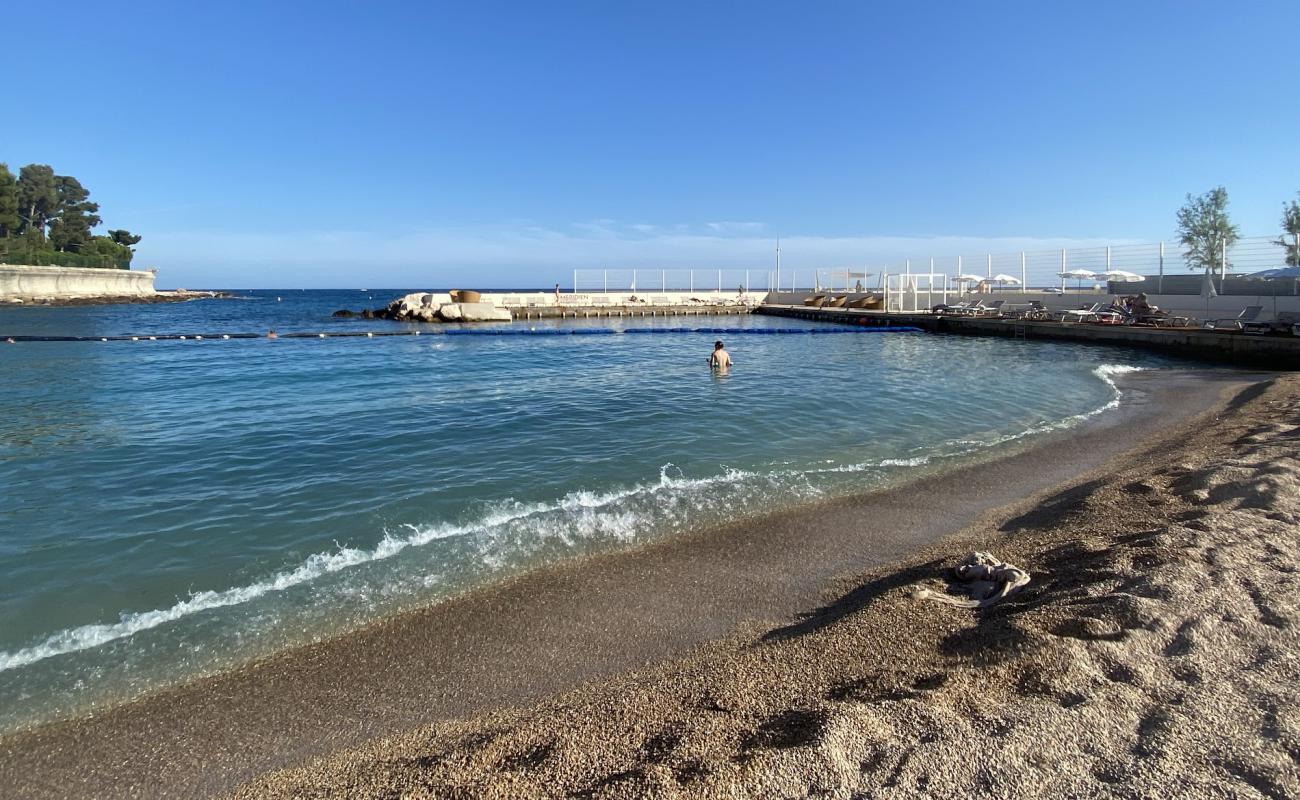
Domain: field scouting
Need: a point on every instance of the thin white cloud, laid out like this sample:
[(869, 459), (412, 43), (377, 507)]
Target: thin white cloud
[(526, 254), (735, 228)]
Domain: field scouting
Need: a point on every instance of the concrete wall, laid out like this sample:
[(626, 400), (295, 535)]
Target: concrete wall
[(28, 283)]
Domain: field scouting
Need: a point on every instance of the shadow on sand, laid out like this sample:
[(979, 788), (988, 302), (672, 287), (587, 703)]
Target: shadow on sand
[(855, 600)]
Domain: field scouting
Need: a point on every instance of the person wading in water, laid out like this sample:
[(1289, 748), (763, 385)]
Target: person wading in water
[(719, 359)]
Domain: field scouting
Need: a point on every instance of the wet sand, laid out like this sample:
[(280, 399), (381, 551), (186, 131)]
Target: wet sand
[(726, 593)]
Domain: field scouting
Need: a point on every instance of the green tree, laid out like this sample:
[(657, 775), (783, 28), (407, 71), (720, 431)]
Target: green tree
[(1290, 230), (1206, 232), (124, 237), (112, 253), (38, 200), (42, 213), (76, 215), (8, 202)]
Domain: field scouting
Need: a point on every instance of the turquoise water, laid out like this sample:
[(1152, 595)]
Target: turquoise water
[(174, 508)]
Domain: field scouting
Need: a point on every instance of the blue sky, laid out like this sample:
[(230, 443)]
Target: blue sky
[(419, 144)]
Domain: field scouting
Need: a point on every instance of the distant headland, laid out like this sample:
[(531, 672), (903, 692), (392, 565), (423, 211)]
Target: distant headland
[(47, 220), (49, 253)]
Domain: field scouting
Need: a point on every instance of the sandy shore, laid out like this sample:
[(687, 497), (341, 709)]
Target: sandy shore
[(780, 657)]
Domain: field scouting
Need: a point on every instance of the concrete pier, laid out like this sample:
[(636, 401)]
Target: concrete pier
[(602, 305), (1232, 347), (603, 312)]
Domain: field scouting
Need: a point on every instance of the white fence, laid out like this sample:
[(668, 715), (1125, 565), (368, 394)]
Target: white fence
[(712, 280), (1031, 269), (1043, 269), (623, 281)]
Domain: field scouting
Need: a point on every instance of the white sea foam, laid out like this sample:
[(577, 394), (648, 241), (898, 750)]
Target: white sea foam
[(867, 466), (619, 514), (576, 513), (918, 461), (1106, 372)]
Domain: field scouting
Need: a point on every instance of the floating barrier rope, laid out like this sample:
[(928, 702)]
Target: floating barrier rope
[(515, 331)]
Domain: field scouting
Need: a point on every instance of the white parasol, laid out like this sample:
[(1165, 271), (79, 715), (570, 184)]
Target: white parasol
[(1076, 274), (1121, 276)]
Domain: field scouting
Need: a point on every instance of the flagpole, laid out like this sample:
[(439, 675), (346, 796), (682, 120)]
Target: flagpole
[(778, 263)]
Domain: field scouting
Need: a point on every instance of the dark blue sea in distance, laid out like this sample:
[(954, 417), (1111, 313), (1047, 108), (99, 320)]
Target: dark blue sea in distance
[(174, 508)]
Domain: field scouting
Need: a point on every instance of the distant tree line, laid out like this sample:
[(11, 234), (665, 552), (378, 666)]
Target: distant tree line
[(47, 219), (1207, 233)]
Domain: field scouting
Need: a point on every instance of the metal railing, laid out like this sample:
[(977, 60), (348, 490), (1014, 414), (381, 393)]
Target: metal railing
[(1152, 260), (717, 280), (624, 281), (1028, 270)]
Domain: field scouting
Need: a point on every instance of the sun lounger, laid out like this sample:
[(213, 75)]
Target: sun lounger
[(1248, 317), (815, 301), (1159, 319), (837, 302), (1287, 322), (994, 309), (1081, 314), (1035, 310), (955, 308)]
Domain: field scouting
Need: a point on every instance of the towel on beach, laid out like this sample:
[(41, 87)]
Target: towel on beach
[(983, 579)]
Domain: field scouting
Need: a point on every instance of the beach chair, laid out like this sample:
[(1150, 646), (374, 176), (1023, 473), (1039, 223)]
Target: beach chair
[(993, 309), (965, 308), (1249, 316), (955, 308), (1287, 322), (1034, 311), (837, 302), (815, 301), (1083, 313), (1112, 315)]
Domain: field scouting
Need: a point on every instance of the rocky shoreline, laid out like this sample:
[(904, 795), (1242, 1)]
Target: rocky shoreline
[(434, 307), (162, 296)]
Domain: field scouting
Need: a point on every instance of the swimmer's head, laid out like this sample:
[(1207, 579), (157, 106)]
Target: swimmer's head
[(717, 345)]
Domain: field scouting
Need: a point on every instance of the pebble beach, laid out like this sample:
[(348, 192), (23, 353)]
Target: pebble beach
[(1153, 655), (788, 656)]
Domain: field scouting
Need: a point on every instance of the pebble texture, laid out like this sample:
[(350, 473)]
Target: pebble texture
[(1155, 654)]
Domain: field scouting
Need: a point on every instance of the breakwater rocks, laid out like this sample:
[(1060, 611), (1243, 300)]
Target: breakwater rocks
[(431, 307)]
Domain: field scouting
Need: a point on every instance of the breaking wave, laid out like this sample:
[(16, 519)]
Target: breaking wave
[(578, 514), (582, 515)]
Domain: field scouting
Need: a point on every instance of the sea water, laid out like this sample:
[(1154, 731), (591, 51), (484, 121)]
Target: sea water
[(169, 509)]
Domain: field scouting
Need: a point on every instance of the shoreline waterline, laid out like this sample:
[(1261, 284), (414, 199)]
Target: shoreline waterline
[(269, 495), (322, 563), (389, 669)]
